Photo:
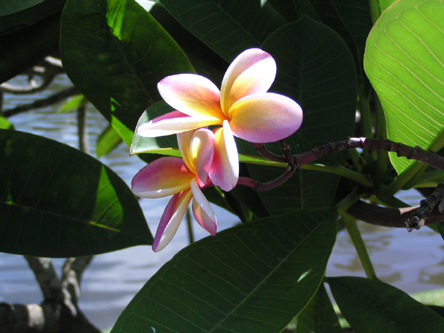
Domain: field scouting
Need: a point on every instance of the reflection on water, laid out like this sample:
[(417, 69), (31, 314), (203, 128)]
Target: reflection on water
[(410, 261)]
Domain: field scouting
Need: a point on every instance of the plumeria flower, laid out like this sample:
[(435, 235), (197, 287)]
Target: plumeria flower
[(184, 178), (242, 107)]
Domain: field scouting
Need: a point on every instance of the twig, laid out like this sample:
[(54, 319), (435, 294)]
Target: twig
[(430, 211), (46, 69), (55, 98), (402, 150), (258, 186)]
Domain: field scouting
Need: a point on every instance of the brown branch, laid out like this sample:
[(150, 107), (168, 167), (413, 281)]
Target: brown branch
[(258, 186), (402, 150), (412, 217), (389, 217), (260, 147)]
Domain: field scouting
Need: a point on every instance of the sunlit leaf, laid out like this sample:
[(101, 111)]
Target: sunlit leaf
[(73, 103), (56, 201), (384, 4), (251, 278), (107, 141), (374, 306), (5, 123), (165, 145), (404, 62)]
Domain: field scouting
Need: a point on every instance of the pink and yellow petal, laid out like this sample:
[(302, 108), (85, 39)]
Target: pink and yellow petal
[(253, 71), (184, 143), (202, 210), (225, 169), (268, 117), (197, 149), (162, 177), (202, 150), (192, 94), (171, 218), (173, 123)]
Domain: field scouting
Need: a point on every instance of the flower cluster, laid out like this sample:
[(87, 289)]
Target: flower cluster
[(242, 108)]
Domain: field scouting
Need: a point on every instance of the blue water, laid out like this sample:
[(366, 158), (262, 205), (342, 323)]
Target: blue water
[(410, 261)]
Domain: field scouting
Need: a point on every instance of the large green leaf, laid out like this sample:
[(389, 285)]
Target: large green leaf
[(27, 16), (404, 62), (384, 4), (24, 48), (373, 306), (204, 60), (319, 315), (352, 21), (327, 95), (251, 278), (59, 202), (226, 26), (115, 53), (10, 7)]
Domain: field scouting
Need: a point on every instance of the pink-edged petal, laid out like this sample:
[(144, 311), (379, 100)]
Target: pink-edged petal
[(162, 177), (268, 117), (197, 149), (253, 71), (225, 169), (173, 123), (184, 143), (192, 94), (202, 210), (171, 218), (202, 150)]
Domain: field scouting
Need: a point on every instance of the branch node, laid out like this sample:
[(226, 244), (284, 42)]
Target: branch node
[(426, 207)]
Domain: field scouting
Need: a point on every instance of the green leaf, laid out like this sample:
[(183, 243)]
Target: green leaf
[(374, 306), (24, 48), (251, 278), (116, 53), (59, 202), (404, 64), (286, 8), (327, 95), (5, 123), (352, 21), (107, 141), (228, 27), (10, 7), (384, 4), (319, 315), (28, 16), (204, 60), (73, 103), (164, 145)]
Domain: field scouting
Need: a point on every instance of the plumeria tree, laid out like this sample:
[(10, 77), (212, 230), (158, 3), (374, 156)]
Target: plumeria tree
[(325, 111)]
